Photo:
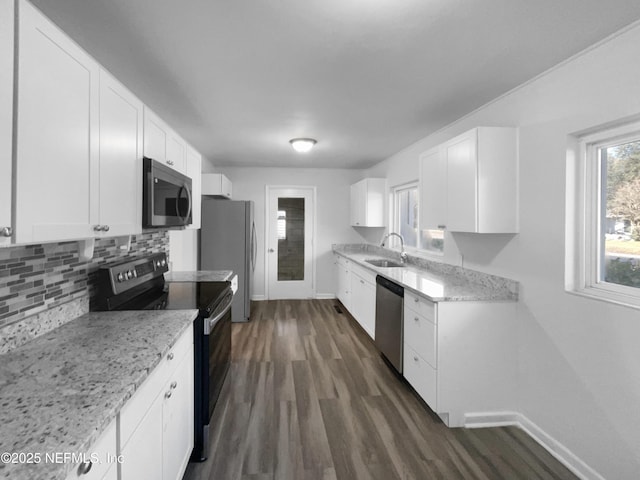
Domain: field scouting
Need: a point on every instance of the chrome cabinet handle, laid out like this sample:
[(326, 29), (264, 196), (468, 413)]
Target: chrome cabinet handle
[(169, 162), (362, 282), (6, 231), (105, 228), (84, 468), (441, 227), (416, 300), (415, 359), (168, 394), (170, 356), (174, 385), (97, 228), (417, 319)]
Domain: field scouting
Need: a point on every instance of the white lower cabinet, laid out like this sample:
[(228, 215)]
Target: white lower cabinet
[(421, 375), (156, 424), (356, 289), (143, 451), (101, 459), (344, 281), (363, 298), (177, 421), (460, 357)]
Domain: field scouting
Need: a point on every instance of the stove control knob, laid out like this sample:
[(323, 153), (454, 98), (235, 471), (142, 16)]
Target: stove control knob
[(135, 274), (163, 263), (120, 277)]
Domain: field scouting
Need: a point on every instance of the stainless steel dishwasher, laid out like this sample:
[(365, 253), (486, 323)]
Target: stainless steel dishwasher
[(389, 312)]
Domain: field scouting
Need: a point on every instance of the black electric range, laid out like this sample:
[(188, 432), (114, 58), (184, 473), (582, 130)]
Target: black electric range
[(139, 284)]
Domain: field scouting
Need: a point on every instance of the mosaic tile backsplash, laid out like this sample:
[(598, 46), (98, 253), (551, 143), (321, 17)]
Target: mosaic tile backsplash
[(39, 283)]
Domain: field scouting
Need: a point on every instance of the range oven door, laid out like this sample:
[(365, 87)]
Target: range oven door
[(212, 360)]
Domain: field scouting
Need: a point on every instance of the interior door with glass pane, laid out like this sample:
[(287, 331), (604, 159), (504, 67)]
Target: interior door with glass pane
[(290, 255)]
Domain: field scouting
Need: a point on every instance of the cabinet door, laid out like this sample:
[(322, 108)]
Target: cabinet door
[(6, 117), (155, 137), (194, 171), (225, 186), (433, 195), (358, 204), (105, 450), (142, 455), (462, 173), (344, 286), (363, 301), (176, 152), (177, 420), (57, 148), (120, 195)]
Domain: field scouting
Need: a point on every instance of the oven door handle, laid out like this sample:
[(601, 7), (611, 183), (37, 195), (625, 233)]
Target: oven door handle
[(210, 323)]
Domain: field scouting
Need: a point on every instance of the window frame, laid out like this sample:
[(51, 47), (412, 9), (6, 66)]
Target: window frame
[(584, 276), (395, 213)]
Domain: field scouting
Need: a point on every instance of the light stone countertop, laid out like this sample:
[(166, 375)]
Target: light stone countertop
[(199, 276), (437, 286), (60, 391)]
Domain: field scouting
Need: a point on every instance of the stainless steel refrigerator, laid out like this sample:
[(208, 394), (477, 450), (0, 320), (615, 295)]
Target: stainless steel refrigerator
[(228, 242)]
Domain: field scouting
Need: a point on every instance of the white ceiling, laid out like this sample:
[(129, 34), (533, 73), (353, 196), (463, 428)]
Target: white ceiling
[(366, 78)]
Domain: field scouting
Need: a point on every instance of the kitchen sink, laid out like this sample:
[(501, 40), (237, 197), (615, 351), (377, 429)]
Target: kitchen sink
[(383, 263)]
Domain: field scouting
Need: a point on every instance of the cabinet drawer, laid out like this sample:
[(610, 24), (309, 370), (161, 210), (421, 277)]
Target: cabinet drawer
[(104, 451), (364, 273), (420, 305), (420, 333), (183, 345), (421, 376), (343, 261)]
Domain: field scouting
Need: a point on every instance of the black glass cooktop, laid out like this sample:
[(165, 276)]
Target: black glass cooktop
[(203, 296)]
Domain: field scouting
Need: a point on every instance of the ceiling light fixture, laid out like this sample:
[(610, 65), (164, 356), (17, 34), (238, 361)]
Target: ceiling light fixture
[(302, 145)]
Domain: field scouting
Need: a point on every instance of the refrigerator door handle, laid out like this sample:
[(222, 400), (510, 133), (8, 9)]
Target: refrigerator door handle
[(254, 247)]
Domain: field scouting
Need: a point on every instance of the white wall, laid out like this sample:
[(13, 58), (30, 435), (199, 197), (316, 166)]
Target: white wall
[(579, 359), (332, 212), (183, 250)]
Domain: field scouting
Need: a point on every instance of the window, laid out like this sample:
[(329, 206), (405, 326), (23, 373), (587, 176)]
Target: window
[(406, 221), (609, 240), (406, 214)]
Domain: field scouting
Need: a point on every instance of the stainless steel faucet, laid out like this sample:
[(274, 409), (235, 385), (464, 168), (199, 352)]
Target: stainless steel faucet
[(403, 254)]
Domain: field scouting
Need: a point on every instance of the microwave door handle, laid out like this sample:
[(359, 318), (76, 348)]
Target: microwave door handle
[(184, 187)]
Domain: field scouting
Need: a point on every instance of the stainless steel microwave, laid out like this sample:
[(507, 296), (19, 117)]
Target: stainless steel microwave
[(167, 198)]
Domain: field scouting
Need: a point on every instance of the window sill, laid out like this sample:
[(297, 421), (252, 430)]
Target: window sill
[(607, 296)]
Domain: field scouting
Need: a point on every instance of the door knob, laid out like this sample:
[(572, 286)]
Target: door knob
[(271, 250)]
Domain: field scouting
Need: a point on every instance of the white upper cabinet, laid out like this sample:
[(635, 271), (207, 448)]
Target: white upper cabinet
[(119, 196), (217, 185), (155, 137), (57, 141), (470, 183), (194, 170), (367, 202), (162, 144), (176, 152), (6, 117), (433, 195)]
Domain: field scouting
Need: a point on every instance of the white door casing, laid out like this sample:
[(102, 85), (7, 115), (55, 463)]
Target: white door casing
[(297, 288)]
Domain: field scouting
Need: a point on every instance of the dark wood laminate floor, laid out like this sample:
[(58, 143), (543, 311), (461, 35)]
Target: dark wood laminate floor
[(308, 397)]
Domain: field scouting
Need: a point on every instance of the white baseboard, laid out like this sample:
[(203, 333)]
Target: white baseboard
[(258, 298), (325, 296), (553, 446)]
